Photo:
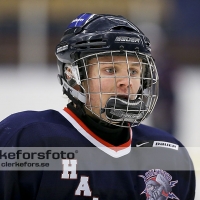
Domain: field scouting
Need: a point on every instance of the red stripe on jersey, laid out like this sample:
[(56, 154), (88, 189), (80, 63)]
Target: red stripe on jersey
[(115, 148)]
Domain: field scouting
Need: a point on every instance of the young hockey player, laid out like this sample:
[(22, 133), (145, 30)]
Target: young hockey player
[(107, 71)]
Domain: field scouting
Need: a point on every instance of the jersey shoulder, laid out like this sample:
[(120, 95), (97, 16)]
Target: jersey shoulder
[(31, 122), (22, 119), (148, 133), (171, 149)]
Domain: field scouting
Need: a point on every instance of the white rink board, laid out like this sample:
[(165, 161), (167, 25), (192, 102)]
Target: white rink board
[(29, 88)]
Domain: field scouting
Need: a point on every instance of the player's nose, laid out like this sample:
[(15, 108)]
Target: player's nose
[(124, 79), (124, 82)]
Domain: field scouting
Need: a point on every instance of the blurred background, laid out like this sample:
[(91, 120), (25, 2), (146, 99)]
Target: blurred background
[(30, 30)]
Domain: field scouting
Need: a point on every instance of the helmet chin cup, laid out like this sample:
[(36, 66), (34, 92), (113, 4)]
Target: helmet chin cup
[(125, 110)]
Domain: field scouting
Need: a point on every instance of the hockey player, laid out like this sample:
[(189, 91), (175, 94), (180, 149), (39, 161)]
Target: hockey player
[(107, 71)]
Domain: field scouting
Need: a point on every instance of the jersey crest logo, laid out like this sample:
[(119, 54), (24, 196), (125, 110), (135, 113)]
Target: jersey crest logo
[(158, 185)]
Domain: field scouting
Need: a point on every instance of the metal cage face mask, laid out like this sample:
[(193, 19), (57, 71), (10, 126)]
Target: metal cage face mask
[(118, 87)]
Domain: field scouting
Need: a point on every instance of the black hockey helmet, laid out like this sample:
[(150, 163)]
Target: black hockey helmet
[(90, 35)]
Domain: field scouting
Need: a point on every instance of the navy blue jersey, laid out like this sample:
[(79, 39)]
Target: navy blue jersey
[(64, 129)]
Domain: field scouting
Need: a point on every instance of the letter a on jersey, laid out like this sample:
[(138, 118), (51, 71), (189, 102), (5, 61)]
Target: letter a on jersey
[(83, 187), (69, 171)]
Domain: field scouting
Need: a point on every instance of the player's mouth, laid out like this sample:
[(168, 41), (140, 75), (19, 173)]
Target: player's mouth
[(123, 97), (126, 97)]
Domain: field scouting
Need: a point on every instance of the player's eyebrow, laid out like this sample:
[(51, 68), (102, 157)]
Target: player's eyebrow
[(130, 64)]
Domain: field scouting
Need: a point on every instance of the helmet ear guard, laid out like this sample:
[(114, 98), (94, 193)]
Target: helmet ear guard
[(72, 75), (69, 78)]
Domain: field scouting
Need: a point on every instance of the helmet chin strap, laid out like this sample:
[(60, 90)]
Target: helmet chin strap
[(124, 110)]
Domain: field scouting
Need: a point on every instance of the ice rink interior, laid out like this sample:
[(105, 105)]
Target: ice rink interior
[(30, 30)]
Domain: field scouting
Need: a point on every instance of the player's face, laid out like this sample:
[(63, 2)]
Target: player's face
[(111, 76)]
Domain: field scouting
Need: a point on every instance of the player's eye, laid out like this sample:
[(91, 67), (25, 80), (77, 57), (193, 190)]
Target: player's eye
[(110, 70), (134, 72)]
